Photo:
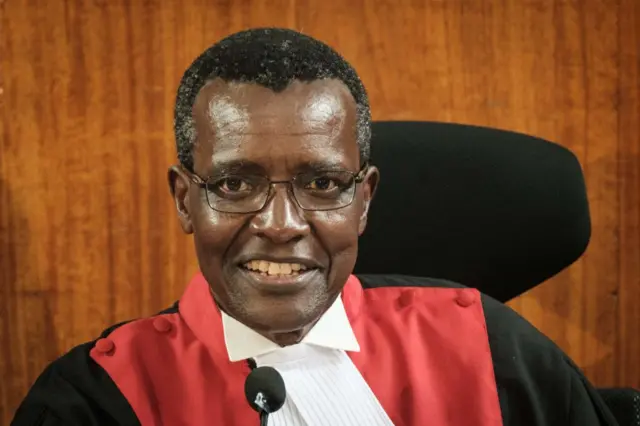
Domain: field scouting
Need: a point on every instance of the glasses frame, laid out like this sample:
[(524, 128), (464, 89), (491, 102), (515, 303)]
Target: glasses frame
[(357, 177)]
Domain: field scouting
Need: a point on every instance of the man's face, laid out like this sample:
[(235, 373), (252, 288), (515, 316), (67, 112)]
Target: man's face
[(308, 255)]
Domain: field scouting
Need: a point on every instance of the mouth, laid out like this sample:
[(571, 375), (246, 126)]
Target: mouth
[(272, 269), (282, 274)]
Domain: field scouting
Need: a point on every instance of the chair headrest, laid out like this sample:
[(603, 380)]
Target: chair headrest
[(491, 209)]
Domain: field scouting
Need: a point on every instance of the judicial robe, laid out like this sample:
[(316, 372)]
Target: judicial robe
[(433, 352)]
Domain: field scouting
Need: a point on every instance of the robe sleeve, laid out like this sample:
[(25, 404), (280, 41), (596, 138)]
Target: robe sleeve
[(74, 391), (538, 385), (586, 407)]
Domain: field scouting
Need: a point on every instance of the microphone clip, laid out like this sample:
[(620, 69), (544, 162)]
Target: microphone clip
[(262, 403)]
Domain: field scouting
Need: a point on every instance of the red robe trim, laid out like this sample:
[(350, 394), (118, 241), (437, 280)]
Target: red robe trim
[(423, 351)]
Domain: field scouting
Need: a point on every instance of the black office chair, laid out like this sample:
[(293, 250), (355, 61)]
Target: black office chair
[(490, 209)]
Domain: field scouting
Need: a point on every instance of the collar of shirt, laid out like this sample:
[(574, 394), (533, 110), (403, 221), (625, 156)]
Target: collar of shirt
[(333, 330)]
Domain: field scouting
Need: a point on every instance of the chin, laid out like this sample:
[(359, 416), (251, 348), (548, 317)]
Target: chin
[(276, 306), (282, 316)]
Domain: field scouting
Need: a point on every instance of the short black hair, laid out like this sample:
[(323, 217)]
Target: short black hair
[(273, 58)]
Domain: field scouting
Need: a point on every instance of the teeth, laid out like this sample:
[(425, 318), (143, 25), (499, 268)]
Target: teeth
[(274, 268), (285, 269)]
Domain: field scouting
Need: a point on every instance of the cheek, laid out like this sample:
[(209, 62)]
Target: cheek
[(338, 232), (213, 234)]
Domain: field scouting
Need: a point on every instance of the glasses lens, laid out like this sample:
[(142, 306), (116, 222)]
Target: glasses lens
[(324, 190), (237, 193)]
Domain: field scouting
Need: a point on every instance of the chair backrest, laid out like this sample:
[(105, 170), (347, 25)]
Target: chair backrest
[(491, 209), (624, 404)]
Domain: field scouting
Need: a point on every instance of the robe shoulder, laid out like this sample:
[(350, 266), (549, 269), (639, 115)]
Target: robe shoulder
[(74, 390), (538, 384)]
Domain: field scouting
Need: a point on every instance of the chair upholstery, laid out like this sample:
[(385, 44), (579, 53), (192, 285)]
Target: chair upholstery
[(490, 209), (624, 403), (512, 209)]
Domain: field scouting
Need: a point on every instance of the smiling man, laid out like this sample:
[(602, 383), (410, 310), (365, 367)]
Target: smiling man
[(277, 191), (274, 182)]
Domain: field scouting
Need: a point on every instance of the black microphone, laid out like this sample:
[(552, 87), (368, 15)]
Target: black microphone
[(265, 391)]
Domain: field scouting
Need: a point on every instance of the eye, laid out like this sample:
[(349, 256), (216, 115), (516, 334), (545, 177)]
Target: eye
[(231, 184), (234, 184), (323, 183)]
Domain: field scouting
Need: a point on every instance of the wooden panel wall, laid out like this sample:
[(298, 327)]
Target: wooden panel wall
[(88, 235)]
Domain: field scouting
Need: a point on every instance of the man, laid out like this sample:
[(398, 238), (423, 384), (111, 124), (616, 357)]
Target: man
[(275, 183)]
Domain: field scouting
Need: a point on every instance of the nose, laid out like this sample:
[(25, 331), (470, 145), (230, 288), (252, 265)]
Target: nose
[(281, 220)]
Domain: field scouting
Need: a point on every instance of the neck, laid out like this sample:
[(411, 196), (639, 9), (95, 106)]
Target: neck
[(290, 337), (286, 339)]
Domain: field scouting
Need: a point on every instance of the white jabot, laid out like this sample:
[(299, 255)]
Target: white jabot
[(323, 385)]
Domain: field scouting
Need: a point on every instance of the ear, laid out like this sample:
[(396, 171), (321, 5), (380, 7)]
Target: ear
[(179, 187), (369, 185)]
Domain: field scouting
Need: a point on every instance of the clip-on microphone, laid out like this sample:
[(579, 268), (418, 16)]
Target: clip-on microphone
[(265, 391)]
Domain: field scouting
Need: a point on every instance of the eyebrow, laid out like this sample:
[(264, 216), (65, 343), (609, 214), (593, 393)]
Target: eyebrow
[(235, 166), (250, 167), (322, 165)]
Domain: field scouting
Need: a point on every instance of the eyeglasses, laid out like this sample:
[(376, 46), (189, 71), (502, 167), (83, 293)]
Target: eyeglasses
[(246, 193)]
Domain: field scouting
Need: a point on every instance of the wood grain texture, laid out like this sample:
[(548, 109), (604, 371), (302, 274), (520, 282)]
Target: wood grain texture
[(88, 235)]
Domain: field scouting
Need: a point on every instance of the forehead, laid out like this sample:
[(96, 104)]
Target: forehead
[(310, 122)]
